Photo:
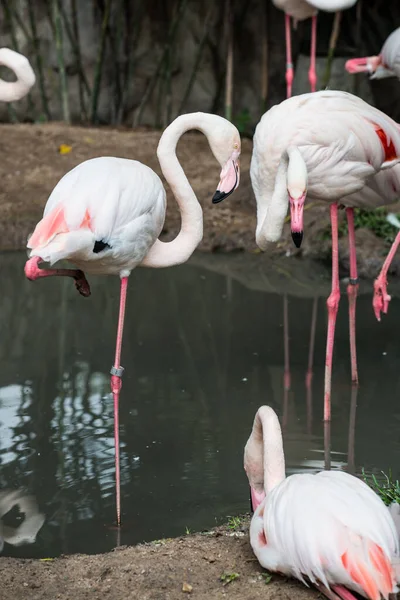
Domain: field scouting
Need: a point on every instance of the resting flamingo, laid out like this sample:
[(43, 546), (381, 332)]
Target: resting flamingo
[(300, 10), (386, 64), (11, 91), (328, 529), (329, 146), (106, 214)]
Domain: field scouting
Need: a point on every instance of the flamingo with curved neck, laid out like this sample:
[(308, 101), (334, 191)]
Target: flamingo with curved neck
[(299, 155), (11, 91), (107, 213), (328, 529)]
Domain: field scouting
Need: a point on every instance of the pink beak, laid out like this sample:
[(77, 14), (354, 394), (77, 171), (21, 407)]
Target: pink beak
[(368, 64), (230, 177), (296, 218)]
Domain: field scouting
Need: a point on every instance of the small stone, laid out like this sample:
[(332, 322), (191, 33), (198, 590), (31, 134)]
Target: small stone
[(187, 588)]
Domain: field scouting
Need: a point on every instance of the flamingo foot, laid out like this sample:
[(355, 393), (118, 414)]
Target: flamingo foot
[(33, 272), (381, 298)]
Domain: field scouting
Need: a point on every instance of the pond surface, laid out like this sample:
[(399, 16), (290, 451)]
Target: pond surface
[(201, 353)]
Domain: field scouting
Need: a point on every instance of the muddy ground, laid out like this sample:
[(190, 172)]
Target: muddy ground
[(190, 566), (31, 165)]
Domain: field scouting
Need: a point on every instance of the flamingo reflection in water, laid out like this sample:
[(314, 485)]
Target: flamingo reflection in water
[(27, 531)]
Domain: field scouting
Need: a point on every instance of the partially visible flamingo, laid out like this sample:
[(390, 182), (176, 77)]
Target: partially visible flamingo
[(27, 531), (11, 91), (386, 64), (329, 146), (107, 213), (300, 10), (328, 529)]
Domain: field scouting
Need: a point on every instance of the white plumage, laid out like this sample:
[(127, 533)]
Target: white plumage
[(329, 528), (302, 9), (337, 135), (126, 202)]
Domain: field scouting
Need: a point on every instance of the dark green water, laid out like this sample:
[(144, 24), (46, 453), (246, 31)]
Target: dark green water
[(202, 353)]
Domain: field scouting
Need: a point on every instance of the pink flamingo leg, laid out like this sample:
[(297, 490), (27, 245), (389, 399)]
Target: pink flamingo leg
[(33, 272), (286, 374), (352, 290), (333, 305), (289, 64), (116, 384), (312, 76), (381, 297), (309, 374)]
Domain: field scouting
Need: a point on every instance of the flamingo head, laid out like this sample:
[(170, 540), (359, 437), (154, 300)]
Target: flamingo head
[(297, 190), (225, 145), (368, 64)]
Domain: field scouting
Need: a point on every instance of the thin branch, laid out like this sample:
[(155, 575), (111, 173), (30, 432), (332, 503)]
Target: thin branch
[(229, 60), (76, 47), (131, 44), (264, 56), (197, 61), (171, 34), (332, 47), (99, 62), (39, 62), (60, 61)]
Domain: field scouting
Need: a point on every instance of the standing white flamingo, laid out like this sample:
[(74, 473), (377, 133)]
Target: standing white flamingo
[(107, 213), (300, 10), (386, 64), (328, 529), (11, 91), (329, 146)]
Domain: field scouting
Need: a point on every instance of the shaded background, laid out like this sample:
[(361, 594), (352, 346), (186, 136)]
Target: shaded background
[(143, 62)]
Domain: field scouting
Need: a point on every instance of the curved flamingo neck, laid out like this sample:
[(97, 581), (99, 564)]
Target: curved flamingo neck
[(13, 91), (264, 460), (164, 254), (271, 211)]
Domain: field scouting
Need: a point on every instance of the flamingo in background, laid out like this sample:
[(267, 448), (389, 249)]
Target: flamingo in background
[(301, 10), (15, 90), (298, 153), (386, 64), (328, 529), (107, 213)]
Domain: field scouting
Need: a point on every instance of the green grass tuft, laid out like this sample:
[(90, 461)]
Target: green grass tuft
[(235, 523), (374, 220), (386, 487)]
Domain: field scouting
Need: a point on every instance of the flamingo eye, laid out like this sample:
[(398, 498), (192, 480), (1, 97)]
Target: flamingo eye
[(99, 246)]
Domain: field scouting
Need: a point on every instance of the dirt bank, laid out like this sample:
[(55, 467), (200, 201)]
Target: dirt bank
[(189, 566), (31, 165)]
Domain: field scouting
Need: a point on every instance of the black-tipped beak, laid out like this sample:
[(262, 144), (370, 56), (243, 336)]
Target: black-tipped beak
[(219, 196), (297, 237)]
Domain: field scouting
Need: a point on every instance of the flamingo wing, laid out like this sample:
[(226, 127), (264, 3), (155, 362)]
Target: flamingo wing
[(332, 529), (102, 199)]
